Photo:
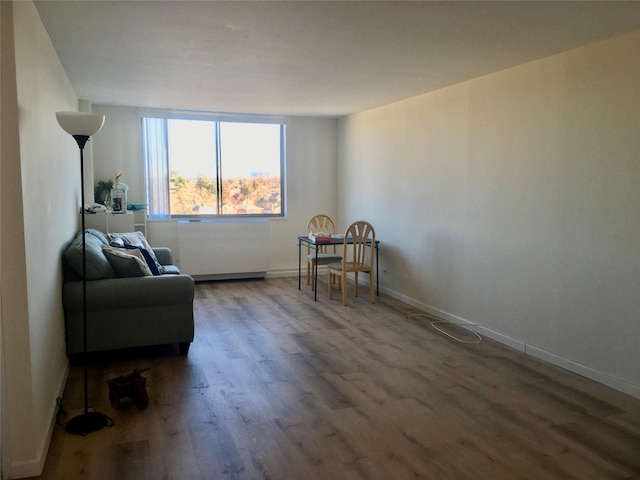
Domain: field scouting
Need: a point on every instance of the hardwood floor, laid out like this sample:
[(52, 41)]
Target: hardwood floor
[(279, 387)]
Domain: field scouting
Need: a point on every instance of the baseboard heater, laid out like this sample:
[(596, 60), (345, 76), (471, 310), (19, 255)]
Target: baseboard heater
[(219, 250)]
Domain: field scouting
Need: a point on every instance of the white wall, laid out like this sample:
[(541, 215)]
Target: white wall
[(117, 148), (512, 201), (43, 180), (310, 175)]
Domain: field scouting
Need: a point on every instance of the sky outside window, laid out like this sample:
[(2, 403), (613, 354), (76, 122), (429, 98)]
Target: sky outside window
[(192, 148), (247, 149)]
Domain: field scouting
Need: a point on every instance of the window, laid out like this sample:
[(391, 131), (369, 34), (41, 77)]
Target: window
[(199, 167)]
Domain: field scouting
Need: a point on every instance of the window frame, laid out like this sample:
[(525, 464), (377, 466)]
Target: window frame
[(218, 118)]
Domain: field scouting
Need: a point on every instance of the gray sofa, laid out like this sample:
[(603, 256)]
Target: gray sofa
[(124, 308)]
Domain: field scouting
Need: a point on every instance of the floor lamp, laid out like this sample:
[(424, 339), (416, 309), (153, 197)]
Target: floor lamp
[(82, 126)]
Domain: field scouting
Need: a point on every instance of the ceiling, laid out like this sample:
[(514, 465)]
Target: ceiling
[(319, 58)]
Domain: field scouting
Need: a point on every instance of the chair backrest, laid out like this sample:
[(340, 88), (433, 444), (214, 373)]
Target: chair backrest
[(321, 223), (360, 252)]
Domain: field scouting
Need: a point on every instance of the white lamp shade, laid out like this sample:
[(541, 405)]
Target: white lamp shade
[(80, 123)]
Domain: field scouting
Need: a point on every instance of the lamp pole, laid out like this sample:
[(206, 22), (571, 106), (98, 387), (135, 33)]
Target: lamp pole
[(81, 126)]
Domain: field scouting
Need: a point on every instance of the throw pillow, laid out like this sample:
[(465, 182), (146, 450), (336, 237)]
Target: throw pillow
[(126, 263), (116, 242), (137, 239), (151, 263)]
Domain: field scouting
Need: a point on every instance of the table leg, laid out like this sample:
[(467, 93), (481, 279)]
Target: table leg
[(299, 262), (315, 270), (377, 276)]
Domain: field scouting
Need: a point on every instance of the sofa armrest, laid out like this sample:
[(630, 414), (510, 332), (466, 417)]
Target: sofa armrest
[(134, 292), (164, 255)]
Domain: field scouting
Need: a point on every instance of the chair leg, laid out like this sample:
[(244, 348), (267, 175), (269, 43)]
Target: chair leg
[(344, 288), (331, 276), (356, 279), (313, 276), (308, 272)]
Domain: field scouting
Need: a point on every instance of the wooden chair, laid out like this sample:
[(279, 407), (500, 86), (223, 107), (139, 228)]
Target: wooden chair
[(357, 258), (326, 254)]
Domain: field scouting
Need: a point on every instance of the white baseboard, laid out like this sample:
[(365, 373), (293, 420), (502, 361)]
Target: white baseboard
[(229, 276), (535, 351), (583, 370), (287, 272)]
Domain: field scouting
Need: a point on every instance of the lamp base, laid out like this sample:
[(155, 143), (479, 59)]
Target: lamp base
[(86, 423)]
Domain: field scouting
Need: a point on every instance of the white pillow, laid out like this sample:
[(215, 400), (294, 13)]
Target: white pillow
[(136, 239), (127, 263)]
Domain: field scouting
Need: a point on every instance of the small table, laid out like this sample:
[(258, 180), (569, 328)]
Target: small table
[(317, 245)]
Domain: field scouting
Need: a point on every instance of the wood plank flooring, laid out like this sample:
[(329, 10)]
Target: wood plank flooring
[(277, 386)]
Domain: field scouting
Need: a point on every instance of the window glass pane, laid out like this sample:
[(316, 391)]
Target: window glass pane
[(192, 163), (250, 168), (204, 167)]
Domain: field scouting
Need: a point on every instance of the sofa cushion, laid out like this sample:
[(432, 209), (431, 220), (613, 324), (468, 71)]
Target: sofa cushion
[(99, 235), (98, 267), (171, 270), (126, 263)]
